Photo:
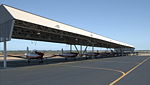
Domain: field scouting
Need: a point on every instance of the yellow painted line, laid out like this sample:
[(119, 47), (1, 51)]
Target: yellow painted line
[(115, 81), (95, 68), (119, 62)]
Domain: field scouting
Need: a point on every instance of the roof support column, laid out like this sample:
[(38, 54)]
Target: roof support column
[(93, 51), (5, 54), (70, 48), (62, 51), (80, 50), (122, 52)]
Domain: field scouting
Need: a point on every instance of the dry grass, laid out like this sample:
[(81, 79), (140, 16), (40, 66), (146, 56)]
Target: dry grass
[(21, 53), (50, 53), (144, 54)]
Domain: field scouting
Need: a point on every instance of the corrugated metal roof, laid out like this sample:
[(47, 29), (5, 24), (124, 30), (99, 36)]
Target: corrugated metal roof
[(29, 17)]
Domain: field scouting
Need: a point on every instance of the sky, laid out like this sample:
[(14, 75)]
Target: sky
[(123, 20)]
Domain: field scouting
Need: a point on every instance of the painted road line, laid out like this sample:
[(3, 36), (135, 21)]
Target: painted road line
[(95, 68), (115, 81), (120, 62)]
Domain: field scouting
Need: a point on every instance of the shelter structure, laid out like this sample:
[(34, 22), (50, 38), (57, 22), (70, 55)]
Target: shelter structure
[(15, 23)]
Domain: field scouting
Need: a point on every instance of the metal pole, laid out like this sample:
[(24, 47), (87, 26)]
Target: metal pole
[(80, 50), (92, 49), (27, 50), (70, 48), (5, 54), (122, 51), (62, 51)]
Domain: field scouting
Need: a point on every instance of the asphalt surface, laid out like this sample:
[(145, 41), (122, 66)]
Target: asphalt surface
[(129, 70)]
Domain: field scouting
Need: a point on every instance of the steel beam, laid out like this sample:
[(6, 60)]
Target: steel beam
[(80, 49), (85, 49), (70, 48), (76, 48), (5, 54)]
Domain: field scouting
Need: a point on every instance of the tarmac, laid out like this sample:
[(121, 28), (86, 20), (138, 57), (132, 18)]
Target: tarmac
[(126, 70)]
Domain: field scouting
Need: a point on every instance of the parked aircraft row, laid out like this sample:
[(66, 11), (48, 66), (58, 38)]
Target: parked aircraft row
[(40, 55)]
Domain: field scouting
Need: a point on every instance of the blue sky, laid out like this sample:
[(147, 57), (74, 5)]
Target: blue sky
[(123, 20)]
